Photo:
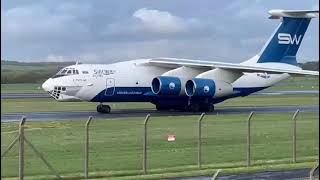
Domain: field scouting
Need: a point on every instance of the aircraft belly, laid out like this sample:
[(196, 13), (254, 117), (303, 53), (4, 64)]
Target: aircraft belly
[(123, 94)]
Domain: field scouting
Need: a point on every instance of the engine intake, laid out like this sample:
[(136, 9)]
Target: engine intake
[(166, 85), (198, 87)]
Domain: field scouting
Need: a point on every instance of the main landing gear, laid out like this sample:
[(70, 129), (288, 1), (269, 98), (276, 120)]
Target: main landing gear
[(194, 107), (200, 107), (103, 108)]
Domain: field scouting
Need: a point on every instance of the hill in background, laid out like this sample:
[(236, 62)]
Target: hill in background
[(37, 72), (312, 65), (29, 72)]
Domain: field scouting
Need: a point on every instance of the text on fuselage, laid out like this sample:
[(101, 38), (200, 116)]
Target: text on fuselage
[(102, 72)]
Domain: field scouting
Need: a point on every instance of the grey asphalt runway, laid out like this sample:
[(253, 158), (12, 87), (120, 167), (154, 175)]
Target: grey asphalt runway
[(266, 93), (283, 175), (46, 95), (46, 116)]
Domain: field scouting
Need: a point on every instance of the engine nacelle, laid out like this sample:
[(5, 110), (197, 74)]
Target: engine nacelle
[(166, 85), (198, 87)]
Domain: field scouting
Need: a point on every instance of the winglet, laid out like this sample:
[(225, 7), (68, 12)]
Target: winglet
[(278, 13)]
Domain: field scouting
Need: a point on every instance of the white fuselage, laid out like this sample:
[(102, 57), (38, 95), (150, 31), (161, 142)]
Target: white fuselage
[(130, 81)]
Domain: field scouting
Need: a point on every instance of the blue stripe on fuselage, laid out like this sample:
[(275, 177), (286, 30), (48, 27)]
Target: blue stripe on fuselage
[(123, 94), (144, 94)]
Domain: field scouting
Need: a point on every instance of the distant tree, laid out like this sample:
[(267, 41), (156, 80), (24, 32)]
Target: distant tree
[(312, 65)]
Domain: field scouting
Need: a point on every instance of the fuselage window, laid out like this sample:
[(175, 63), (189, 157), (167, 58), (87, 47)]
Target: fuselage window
[(69, 72), (85, 72)]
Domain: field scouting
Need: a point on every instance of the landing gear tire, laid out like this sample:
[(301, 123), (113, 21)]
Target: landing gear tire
[(103, 108), (194, 107), (200, 107), (210, 108), (161, 108), (207, 107)]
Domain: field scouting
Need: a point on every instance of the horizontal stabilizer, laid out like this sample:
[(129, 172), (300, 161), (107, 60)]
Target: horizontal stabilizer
[(278, 13)]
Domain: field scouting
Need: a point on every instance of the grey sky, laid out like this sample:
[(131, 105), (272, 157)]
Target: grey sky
[(109, 31)]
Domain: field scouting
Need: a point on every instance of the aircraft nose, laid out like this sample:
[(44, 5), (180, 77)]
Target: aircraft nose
[(47, 85)]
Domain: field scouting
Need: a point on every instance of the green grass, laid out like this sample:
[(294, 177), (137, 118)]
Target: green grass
[(116, 145), (297, 83), (51, 105), (279, 100), (28, 67), (47, 105), (21, 88), (189, 171)]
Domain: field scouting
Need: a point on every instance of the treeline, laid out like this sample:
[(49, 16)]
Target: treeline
[(29, 72), (11, 77), (17, 63), (38, 72), (312, 66)]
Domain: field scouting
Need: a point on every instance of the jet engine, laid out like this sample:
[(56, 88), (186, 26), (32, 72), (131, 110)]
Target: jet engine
[(166, 85), (198, 87)]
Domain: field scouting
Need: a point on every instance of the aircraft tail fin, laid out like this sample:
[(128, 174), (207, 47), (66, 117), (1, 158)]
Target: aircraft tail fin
[(284, 43)]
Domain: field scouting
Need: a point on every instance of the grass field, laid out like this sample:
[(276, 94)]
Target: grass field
[(21, 88), (116, 145), (119, 149), (47, 105), (297, 83)]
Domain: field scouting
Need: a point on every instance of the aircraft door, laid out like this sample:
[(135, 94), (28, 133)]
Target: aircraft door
[(110, 87)]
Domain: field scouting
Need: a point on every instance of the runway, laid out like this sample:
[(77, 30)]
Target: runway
[(60, 116), (269, 93), (46, 95)]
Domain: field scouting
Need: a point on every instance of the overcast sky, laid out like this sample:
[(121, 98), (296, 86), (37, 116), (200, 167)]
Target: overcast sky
[(109, 31)]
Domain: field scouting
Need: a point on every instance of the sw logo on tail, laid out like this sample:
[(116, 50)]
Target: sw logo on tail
[(285, 38)]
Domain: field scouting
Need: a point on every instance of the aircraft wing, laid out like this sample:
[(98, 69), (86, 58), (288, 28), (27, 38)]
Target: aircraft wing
[(175, 63)]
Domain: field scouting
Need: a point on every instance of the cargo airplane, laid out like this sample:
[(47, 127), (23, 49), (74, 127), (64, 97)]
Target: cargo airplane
[(184, 84)]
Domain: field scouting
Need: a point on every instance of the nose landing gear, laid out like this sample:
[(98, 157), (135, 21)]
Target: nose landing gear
[(103, 108)]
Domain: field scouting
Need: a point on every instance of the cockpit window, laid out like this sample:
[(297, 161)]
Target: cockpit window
[(66, 72)]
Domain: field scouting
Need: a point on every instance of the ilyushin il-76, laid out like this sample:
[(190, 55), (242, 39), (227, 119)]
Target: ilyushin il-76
[(185, 84)]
